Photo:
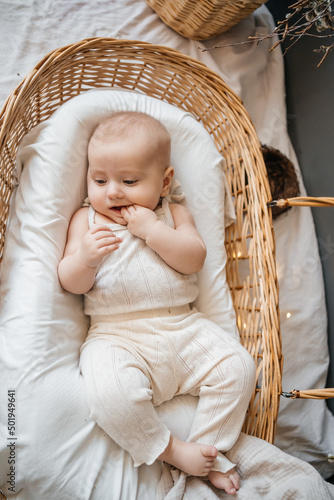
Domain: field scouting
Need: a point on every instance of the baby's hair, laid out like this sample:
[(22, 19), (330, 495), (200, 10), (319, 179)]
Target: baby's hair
[(136, 124)]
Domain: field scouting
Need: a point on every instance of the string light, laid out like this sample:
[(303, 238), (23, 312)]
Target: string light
[(239, 254)]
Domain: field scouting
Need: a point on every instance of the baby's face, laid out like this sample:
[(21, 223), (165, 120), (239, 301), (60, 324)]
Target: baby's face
[(124, 173)]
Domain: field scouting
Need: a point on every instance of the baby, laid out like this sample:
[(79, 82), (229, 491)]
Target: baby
[(134, 254)]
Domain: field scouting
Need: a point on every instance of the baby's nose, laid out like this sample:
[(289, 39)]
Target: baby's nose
[(114, 190)]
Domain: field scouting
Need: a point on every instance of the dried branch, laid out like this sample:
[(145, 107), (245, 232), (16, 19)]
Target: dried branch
[(305, 15), (326, 49)]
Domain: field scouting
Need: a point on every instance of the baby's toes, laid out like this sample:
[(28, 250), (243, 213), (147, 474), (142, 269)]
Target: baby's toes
[(223, 481), (229, 487), (235, 479), (209, 452)]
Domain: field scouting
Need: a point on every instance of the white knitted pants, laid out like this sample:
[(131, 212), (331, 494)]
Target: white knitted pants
[(136, 363)]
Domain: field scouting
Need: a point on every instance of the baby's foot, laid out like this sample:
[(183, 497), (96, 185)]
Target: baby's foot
[(193, 458), (228, 481)]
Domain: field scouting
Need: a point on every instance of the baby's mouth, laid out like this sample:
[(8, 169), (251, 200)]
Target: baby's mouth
[(119, 208)]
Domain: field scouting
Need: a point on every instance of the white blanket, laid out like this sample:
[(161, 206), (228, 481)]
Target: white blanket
[(28, 31), (265, 473)]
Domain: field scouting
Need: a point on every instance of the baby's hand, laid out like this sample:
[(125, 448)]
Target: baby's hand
[(140, 220), (98, 242)]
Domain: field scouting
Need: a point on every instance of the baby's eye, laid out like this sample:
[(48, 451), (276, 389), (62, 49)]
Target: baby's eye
[(129, 183), (100, 181)]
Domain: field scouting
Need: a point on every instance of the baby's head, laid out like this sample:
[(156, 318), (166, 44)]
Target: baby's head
[(129, 163), (139, 129)]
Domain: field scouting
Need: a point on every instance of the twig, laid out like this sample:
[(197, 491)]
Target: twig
[(326, 49)]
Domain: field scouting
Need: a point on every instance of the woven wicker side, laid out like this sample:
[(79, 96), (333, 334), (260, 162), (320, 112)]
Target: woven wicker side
[(203, 19), (181, 81)]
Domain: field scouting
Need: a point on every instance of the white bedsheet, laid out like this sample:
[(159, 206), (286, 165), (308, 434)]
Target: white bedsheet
[(29, 30)]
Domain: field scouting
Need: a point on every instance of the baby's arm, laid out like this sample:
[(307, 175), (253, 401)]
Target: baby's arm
[(84, 251), (181, 248)]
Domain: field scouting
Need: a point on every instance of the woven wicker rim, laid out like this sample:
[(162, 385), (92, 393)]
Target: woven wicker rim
[(203, 19), (168, 75)]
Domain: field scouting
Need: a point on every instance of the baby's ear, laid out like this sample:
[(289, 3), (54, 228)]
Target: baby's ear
[(168, 177)]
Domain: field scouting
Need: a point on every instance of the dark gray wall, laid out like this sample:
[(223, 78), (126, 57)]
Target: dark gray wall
[(310, 107)]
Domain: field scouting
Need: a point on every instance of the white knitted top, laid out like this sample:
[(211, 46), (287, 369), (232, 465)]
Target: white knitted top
[(135, 278)]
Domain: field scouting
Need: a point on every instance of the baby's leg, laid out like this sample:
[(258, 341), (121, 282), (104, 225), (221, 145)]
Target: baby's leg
[(224, 392), (225, 382), (120, 400)]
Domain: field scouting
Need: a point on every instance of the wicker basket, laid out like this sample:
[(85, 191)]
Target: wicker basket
[(203, 19), (184, 82)]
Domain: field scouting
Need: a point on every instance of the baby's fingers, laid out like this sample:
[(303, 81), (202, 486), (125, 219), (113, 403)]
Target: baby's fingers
[(108, 241), (126, 212), (109, 249)]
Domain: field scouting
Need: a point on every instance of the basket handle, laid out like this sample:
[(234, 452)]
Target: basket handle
[(306, 201), (309, 394)]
